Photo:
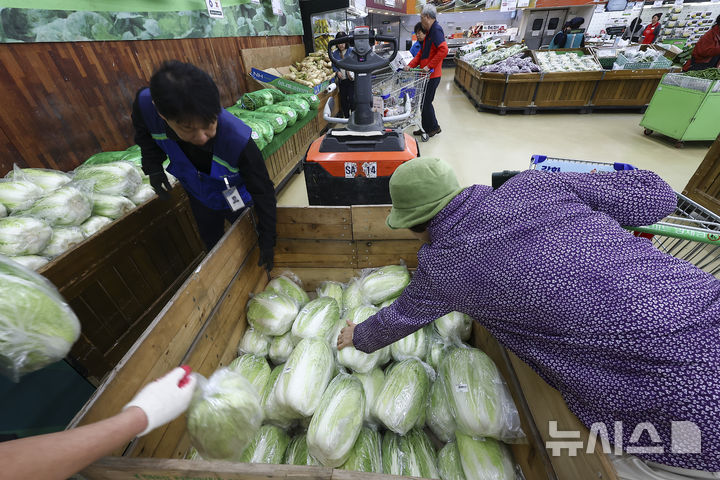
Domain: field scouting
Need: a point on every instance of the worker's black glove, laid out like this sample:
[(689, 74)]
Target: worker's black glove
[(159, 182), (267, 256)]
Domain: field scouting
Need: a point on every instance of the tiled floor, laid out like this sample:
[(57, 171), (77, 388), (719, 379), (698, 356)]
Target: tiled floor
[(479, 143)]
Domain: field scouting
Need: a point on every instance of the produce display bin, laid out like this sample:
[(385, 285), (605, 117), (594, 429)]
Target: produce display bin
[(684, 108), (627, 88), (205, 320), (562, 90)]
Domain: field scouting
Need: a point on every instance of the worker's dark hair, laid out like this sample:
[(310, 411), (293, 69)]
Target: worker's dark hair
[(184, 93), (341, 35), (658, 15), (419, 28), (420, 227)]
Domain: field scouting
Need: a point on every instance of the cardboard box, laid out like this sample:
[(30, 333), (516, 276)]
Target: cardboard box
[(274, 77)]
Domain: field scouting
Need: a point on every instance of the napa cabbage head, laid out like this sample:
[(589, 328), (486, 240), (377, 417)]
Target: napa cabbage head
[(366, 454), (271, 312), (305, 376), (317, 319), (254, 368), (33, 262), (449, 463), (372, 383), (337, 422), (353, 295), (414, 345), (274, 412), (297, 452), (46, 179), (401, 403), (37, 327), (268, 446), (94, 224), (254, 342), (111, 206), (332, 290), (283, 284), (439, 418), (385, 283), (18, 195), (484, 458), (62, 207), (23, 236), (116, 178), (280, 348), (62, 240), (409, 455), (224, 416), (352, 358), (454, 326)]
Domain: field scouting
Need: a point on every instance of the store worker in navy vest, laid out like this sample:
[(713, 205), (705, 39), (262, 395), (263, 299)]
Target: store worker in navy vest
[(210, 151)]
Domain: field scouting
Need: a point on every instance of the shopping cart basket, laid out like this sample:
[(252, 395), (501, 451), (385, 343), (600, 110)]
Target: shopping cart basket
[(691, 233), (392, 90)]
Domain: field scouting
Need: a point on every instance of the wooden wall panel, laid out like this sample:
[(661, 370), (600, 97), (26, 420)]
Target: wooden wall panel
[(63, 102), (704, 185)]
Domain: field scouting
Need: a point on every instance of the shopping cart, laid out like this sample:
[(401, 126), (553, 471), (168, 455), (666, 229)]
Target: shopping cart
[(392, 90), (691, 233)]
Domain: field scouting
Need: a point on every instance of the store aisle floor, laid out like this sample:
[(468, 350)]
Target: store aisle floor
[(479, 143)]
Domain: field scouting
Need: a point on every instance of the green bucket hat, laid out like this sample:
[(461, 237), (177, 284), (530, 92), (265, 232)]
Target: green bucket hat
[(419, 189)]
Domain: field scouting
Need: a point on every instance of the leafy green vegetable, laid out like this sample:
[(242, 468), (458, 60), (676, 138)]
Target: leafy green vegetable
[(23, 235), (366, 454), (280, 348), (449, 463), (46, 179), (63, 238), (454, 326), (414, 345), (254, 368), (332, 290), (401, 403), (353, 295), (477, 396), (352, 358), (272, 312), (37, 327), (268, 446), (297, 452), (484, 459), (372, 383), (257, 99), (224, 416), (439, 418), (317, 319), (64, 206), (305, 376), (283, 284), (337, 422), (299, 105), (33, 262), (254, 342), (289, 113), (385, 283), (144, 193), (111, 206), (94, 224), (411, 455), (116, 178), (274, 411), (312, 99), (18, 195)]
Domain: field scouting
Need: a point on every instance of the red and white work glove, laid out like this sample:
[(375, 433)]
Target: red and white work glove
[(166, 398)]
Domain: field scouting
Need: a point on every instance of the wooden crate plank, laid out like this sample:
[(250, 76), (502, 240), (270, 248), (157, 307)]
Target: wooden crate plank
[(314, 230), (368, 223), (314, 215), (313, 277), (388, 247), (373, 261), (311, 246), (121, 468), (307, 260), (192, 303)]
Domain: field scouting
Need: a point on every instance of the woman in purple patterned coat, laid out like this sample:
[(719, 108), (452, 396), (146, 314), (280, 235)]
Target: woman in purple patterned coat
[(625, 332)]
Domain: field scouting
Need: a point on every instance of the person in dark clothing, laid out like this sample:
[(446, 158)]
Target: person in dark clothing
[(560, 38), (632, 33), (210, 151), (346, 80), (430, 57), (706, 53)]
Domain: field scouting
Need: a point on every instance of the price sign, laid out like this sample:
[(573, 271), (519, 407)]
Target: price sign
[(350, 169), (214, 8), (523, 3), (370, 169)]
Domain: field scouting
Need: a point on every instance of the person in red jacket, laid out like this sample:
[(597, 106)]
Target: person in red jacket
[(706, 53), (651, 32), (430, 57)]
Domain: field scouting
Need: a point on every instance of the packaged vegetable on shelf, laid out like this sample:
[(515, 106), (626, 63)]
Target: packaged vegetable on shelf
[(300, 105), (116, 178), (289, 286), (37, 327), (289, 113), (449, 463), (254, 368), (337, 422), (317, 319), (439, 417), (372, 383), (366, 453), (401, 403), (268, 446), (111, 206), (257, 99), (66, 205), (271, 312), (18, 195), (352, 358), (274, 412), (311, 98), (23, 236), (144, 193), (333, 290), (552, 62), (63, 238), (454, 326), (224, 415), (46, 179), (385, 283), (495, 56), (275, 120), (305, 377), (414, 345), (515, 64)]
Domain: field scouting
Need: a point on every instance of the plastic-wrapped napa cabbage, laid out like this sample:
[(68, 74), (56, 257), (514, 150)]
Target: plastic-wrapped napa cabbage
[(436, 345), (284, 284), (352, 358), (305, 376), (23, 235), (297, 452), (366, 454), (3, 211), (372, 383), (224, 416), (254, 342), (64, 206), (254, 368), (19, 194), (116, 178), (311, 98), (454, 326), (37, 327), (414, 345), (268, 446), (271, 312), (449, 463), (44, 178), (33, 262), (337, 422), (274, 412), (317, 319), (353, 295), (385, 283), (332, 290), (94, 224), (401, 403), (280, 348), (439, 418), (485, 459), (289, 113), (477, 395), (144, 193), (63, 238), (111, 206), (412, 454)]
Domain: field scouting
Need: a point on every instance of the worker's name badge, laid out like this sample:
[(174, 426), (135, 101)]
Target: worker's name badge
[(233, 198)]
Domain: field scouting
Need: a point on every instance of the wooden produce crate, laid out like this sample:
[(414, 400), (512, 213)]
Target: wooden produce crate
[(119, 279), (493, 89), (563, 90), (204, 321), (476, 86), (520, 91), (627, 88), (288, 158)]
